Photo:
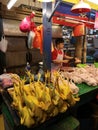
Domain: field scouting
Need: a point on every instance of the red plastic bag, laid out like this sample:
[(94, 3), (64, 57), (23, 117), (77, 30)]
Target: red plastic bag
[(26, 25), (79, 30), (38, 39)]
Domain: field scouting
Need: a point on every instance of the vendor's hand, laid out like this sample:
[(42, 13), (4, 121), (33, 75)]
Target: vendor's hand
[(77, 61), (65, 61)]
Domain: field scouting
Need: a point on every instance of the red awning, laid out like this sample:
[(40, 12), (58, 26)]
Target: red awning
[(72, 21)]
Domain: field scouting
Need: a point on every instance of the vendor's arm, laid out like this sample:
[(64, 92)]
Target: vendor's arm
[(60, 61), (68, 57)]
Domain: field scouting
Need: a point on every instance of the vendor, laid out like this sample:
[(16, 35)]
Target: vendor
[(58, 56)]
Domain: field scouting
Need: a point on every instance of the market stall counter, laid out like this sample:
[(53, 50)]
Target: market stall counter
[(86, 94), (41, 105)]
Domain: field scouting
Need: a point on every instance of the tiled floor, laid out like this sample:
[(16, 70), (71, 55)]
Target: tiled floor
[(1, 123)]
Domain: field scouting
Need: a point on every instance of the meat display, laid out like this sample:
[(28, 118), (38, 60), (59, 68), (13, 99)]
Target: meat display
[(88, 75)]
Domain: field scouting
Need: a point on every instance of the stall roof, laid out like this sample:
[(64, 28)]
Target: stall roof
[(63, 11), (65, 8)]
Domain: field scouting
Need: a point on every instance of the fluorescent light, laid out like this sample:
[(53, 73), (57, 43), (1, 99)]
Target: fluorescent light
[(11, 3), (93, 1)]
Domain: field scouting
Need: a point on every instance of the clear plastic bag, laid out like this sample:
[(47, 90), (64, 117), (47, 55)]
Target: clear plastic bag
[(3, 44)]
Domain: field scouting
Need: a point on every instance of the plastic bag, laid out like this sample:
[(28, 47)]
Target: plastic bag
[(79, 30), (31, 36), (38, 39), (26, 24), (3, 44)]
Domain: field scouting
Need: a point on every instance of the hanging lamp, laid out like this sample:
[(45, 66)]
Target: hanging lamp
[(81, 7), (45, 0)]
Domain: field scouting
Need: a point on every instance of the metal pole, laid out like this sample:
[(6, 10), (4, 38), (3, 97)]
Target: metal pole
[(47, 36)]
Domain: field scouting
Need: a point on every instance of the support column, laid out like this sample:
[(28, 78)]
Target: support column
[(78, 47), (47, 35), (84, 47)]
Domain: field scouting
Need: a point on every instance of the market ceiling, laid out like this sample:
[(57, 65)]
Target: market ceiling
[(93, 6), (64, 16)]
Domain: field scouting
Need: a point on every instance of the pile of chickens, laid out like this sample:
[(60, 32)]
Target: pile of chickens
[(88, 75), (36, 102)]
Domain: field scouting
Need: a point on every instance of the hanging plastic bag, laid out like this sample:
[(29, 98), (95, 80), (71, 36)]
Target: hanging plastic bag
[(3, 44), (38, 39), (31, 36), (25, 25), (73, 40), (79, 30)]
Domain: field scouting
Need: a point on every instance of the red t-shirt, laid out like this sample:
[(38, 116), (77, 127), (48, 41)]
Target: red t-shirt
[(55, 53)]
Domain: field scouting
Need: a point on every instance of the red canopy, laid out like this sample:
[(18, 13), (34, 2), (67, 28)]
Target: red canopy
[(72, 21)]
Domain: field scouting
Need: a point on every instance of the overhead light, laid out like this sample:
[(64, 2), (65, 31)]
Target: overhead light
[(93, 1), (45, 0), (81, 7), (11, 3)]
